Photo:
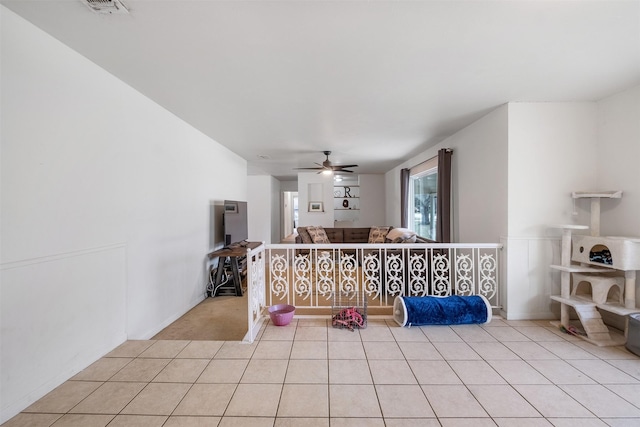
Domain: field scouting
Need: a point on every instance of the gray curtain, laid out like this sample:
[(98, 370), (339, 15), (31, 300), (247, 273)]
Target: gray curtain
[(404, 198), (443, 227)]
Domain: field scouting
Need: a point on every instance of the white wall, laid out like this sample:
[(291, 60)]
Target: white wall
[(289, 185), (276, 208), (325, 194), (479, 180), (479, 175), (372, 200), (264, 208), (618, 154), (554, 149), (259, 208), (105, 213), (618, 151), (552, 152), (513, 172)]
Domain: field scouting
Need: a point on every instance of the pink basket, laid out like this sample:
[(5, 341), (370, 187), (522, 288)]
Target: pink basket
[(281, 314)]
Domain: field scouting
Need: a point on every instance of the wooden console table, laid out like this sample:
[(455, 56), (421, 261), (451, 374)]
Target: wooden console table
[(226, 278)]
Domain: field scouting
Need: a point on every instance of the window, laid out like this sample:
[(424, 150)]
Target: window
[(423, 188)]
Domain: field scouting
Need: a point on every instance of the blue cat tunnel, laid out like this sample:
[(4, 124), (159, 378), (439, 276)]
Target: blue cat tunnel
[(451, 310)]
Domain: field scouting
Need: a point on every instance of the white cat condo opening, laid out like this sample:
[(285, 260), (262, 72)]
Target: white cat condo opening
[(597, 273)]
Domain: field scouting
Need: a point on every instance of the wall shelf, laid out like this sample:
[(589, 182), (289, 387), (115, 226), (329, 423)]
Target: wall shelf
[(597, 194), (346, 202), (580, 269)]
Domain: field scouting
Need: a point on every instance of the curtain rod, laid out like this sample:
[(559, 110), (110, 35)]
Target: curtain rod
[(448, 150)]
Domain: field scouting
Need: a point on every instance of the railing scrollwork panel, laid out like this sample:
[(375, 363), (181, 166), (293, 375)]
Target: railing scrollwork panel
[(464, 274), (371, 274), (488, 282), (279, 283), (440, 280), (394, 273), (306, 275), (418, 283)]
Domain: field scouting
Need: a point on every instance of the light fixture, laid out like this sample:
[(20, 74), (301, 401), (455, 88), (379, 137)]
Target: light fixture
[(327, 172), (108, 7), (337, 178)]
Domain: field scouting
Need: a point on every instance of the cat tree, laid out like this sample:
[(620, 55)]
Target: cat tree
[(594, 265)]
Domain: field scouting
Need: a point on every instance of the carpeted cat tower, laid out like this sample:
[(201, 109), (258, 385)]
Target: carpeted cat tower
[(451, 310)]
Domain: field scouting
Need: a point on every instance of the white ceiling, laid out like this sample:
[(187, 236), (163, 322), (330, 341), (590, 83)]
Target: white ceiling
[(373, 81)]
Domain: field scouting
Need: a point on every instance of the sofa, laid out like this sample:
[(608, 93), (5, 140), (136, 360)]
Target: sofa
[(337, 235), (352, 235), (374, 234)]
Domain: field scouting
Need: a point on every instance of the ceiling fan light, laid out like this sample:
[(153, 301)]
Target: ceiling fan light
[(327, 172)]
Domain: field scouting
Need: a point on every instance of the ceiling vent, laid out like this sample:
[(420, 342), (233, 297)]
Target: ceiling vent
[(107, 7)]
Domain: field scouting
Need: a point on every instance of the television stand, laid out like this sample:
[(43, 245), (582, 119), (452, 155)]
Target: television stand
[(226, 278)]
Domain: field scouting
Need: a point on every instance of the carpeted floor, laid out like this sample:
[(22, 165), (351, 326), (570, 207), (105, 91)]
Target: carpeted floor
[(222, 318), (214, 319)]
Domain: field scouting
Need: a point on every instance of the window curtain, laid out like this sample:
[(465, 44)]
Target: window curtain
[(404, 197), (443, 209)]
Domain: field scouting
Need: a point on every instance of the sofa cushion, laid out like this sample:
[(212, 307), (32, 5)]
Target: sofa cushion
[(378, 234), (318, 234), (356, 234), (335, 235)]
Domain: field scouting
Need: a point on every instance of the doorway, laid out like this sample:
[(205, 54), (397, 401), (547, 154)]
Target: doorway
[(290, 213)]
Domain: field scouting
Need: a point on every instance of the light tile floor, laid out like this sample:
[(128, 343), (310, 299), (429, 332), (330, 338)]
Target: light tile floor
[(507, 373)]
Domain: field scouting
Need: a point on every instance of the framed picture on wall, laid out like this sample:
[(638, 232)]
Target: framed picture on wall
[(316, 207)]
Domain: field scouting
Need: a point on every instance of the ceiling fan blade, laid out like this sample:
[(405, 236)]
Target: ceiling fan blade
[(328, 166), (341, 171)]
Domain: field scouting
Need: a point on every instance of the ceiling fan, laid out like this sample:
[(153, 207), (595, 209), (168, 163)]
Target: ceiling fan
[(328, 167)]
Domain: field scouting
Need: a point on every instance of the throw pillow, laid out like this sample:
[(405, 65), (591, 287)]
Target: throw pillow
[(318, 235), (304, 235), (378, 234)]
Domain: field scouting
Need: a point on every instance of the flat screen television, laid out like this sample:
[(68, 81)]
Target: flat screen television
[(235, 222)]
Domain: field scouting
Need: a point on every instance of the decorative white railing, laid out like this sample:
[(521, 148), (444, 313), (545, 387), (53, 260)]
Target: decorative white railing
[(307, 275), (256, 300)]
